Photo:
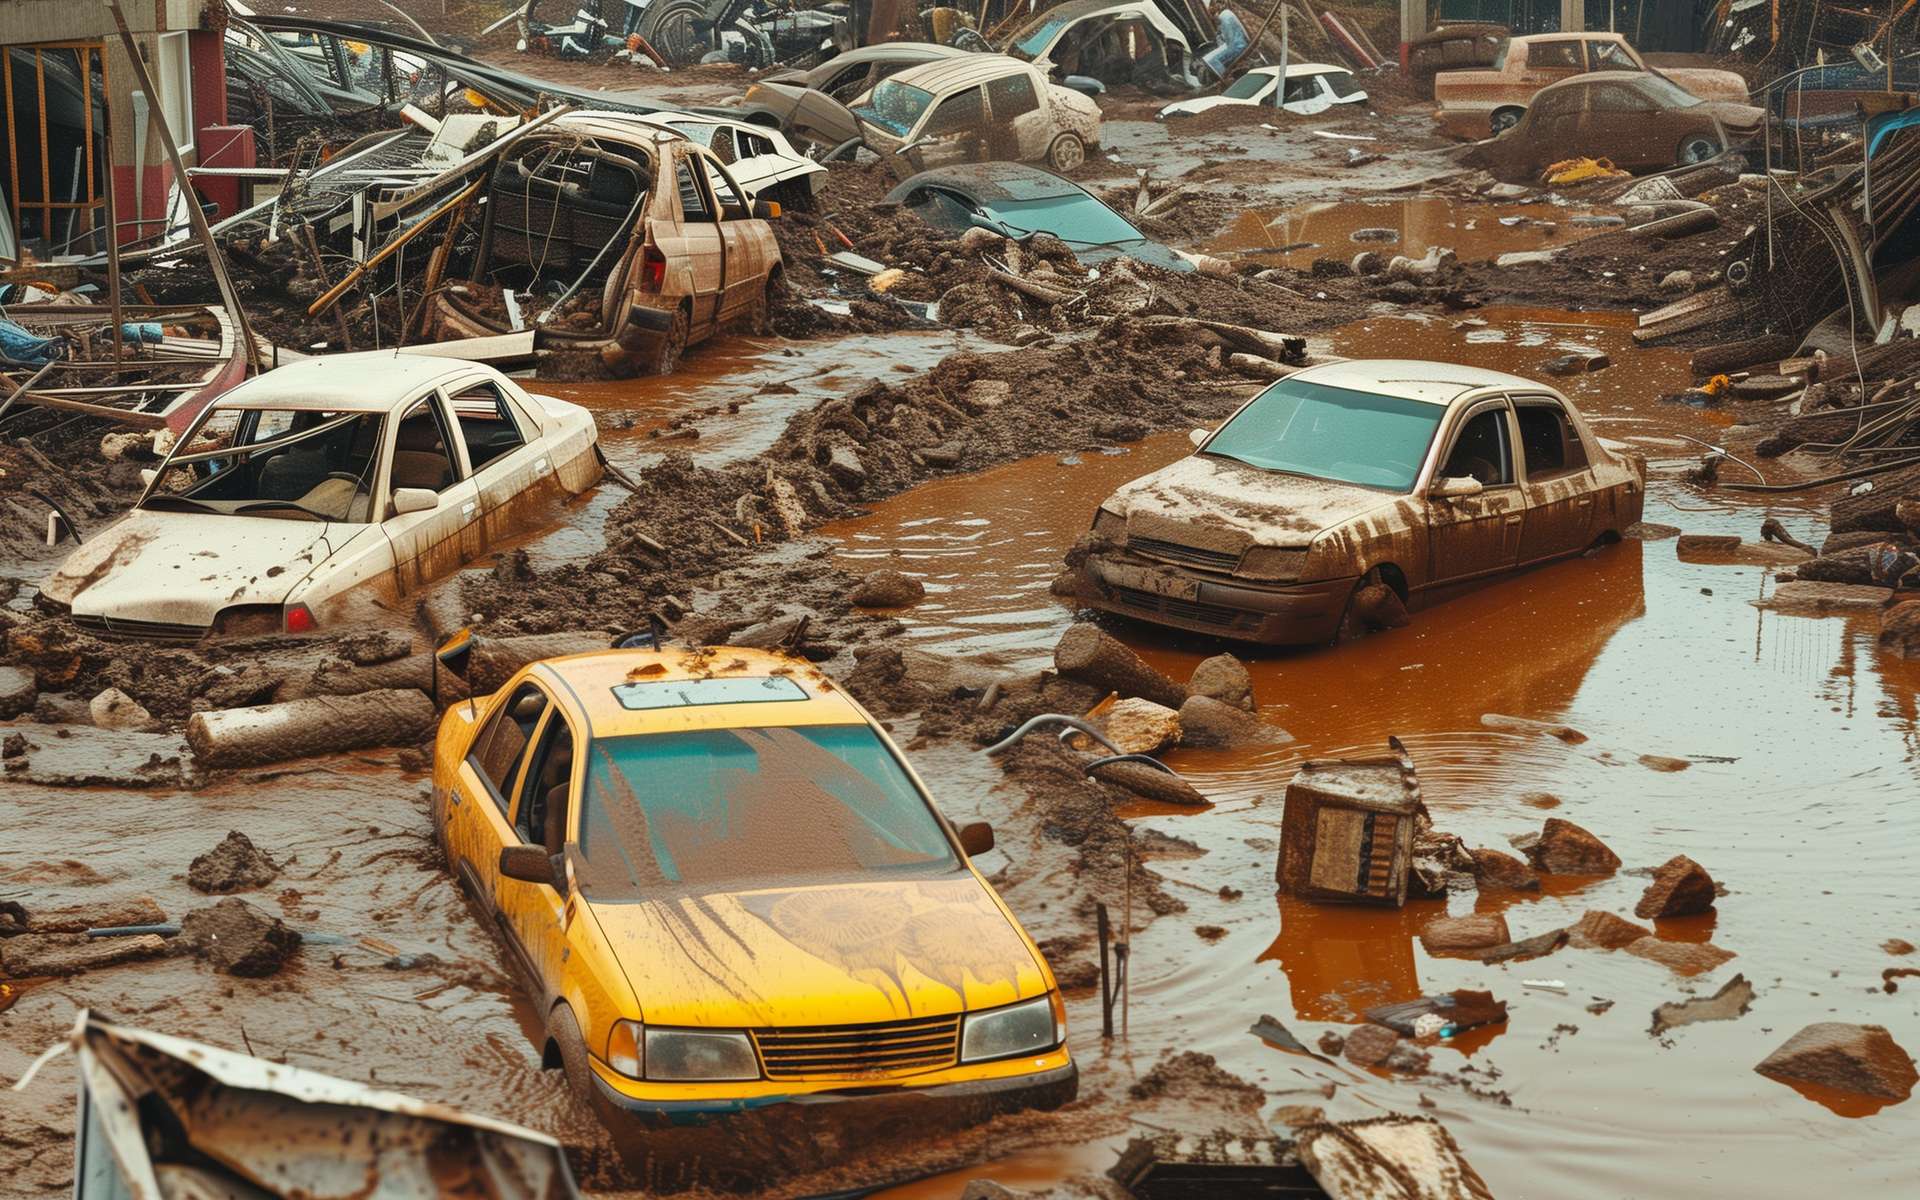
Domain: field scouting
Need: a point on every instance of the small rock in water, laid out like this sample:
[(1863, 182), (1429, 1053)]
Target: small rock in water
[(1863, 1059), (114, 709), (887, 589), (1681, 887)]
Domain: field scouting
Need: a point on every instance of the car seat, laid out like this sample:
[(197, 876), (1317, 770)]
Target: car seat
[(420, 457)]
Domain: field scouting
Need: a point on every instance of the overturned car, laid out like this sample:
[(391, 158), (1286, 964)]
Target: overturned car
[(1413, 479)]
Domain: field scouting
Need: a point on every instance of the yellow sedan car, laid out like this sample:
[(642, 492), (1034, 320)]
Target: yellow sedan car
[(730, 892)]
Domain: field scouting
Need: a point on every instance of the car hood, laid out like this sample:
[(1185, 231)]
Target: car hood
[(1200, 104), (183, 568), (1218, 503), (833, 954), (1735, 116)]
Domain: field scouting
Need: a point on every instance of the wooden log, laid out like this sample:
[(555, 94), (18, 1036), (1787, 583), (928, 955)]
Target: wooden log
[(1088, 655), (496, 659), (1150, 784), (266, 733), (35, 954), (1738, 356), (1682, 224)]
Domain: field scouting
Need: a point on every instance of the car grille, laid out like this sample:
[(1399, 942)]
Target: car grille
[(885, 1048), (1218, 616), (1212, 560), (150, 630)]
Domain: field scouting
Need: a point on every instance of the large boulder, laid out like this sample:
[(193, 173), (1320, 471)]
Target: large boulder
[(238, 938), (1224, 678), (1137, 726), (887, 588), (1566, 849), (1681, 887), (235, 865), (1863, 1059), (1475, 931)]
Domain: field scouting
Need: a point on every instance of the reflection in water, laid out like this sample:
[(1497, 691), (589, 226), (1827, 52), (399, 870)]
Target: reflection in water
[(1475, 232), (1340, 960)]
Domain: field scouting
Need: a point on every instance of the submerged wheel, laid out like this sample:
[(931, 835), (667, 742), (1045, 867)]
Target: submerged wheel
[(1067, 153), (565, 1032), (672, 346), (1374, 604), (1698, 149), (1504, 120)]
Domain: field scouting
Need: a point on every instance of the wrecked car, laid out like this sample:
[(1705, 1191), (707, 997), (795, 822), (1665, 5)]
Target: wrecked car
[(847, 77), (980, 107), (1637, 121), (1311, 88), (1458, 46), (1420, 477), (612, 237), (760, 159), (1129, 41), (1477, 104), (729, 893), (1017, 201), (323, 492)]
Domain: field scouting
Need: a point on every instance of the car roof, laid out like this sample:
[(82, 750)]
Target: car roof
[(992, 181), (369, 381), (622, 124), (655, 705), (952, 74), (1074, 10), (887, 51), (1414, 379), (1298, 70)]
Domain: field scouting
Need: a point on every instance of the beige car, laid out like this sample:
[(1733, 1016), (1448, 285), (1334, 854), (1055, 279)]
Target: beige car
[(1486, 103), (977, 108), (1423, 477), (643, 230)]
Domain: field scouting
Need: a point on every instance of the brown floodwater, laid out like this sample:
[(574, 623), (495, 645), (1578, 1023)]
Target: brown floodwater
[(1800, 736), (1295, 236)]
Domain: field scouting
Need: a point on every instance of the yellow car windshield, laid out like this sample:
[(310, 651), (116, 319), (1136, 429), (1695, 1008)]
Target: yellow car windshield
[(734, 808)]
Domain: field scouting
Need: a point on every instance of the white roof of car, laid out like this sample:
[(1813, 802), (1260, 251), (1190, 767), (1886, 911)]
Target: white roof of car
[(1413, 379), (370, 381), (1300, 70), (951, 74)]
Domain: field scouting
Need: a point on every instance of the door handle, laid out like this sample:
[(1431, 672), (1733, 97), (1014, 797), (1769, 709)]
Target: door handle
[(1514, 520)]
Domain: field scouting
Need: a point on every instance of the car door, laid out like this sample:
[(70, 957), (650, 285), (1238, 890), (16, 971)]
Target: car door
[(1473, 536), (700, 237), (745, 266), (479, 805), (954, 131), (1558, 480), (424, 454), (1018, 126), (1620, 124), (1549, 60), (1551, 125), (507, 464), (536, 915)]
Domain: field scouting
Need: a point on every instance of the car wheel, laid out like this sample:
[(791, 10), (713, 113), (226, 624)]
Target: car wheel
[(1698, 149), (1067, 153), (672, 346), (758, 319), (1504, 120), (669, 27), (565, 1032), (1372, 605)]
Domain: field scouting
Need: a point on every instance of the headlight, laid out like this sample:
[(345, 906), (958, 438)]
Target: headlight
[(623, 1048), (1024, 1028), (700, 1054), (1110, 524), (1273, 563)]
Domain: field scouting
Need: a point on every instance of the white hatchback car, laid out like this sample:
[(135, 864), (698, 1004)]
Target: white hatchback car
[(978, 108), (323, 493), (1311, 88)]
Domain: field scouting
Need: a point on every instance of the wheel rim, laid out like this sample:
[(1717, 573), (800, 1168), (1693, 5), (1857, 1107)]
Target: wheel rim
[(674, 37), (1503, 122), (1067, 153), (1698, 150)]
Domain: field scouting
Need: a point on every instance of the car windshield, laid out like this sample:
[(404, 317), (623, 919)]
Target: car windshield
[(294, 464), (895, 106), (1031, 40), (1305, 428), (1248, 86), (1666, 93), (719, 808), (1076, 220)]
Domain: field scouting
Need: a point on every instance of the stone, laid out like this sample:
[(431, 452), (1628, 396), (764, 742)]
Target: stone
[(1601, 930), (1368, 262), (1677, 282), (1538, 946), (1494, 869), (235, 865), (114, 709), (1475, 931), (1863, 1059), (1567, 849), (887, 588), (1138, 726), (1332, 1044), (34, 954), (13, 746), (118, 445), (1207, 722), (1733, 1000), (1370, 1045), (17, 692), (1685, 958), (1897, 946), (984, 394), (844, 464), (1224, 678), (238, 938), (987, 1189), (1681, 887)]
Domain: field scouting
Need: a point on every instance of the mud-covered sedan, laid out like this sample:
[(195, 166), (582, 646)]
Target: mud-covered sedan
[(1420, 477)]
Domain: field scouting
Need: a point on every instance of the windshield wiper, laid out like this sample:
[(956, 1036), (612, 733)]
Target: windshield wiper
[(173, 498), (255, 505)]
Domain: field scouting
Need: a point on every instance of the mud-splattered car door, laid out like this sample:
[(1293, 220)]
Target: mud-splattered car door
[(743, 265), (512, 471), (699, 238), (479, 804), (536, 915), (425, 455), (1019, 127), (1473, 536), (955, 131), (1560, 485)]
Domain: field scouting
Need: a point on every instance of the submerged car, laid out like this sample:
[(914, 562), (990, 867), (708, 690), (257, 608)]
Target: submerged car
[(1017, 200), (1639, 122), (730, 893), (1311, 88), (324, 492), (1425, 477), (1112, 41)]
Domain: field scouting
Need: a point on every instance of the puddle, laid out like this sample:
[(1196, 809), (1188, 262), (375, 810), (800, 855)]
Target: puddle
[(1294, 237), (1801, 738)]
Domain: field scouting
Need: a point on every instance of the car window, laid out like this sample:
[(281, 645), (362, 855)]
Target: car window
[(487, 423), (721, 143), (1560, 103), (1249, 86), (693, 197), (963, 112), (1549, 444), (540, 810), (422, 451), (1482, 450), (1612, 98), (1341, 83), (290, 464), (1322, 432), (1610, 56), (845, 80), (733, 204), (895, 106), (497, 751), (1012, 95), (1303, 88), (714, 808), (1556, 56)]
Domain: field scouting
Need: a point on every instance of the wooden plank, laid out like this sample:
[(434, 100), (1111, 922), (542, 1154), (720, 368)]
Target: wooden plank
[(1339, 840)]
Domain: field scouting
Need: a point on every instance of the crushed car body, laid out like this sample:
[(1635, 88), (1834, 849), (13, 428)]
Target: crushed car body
[(322, 493), (1416, 475), (1638, 121), (1131, 41), (976, 108), (1311, 88)]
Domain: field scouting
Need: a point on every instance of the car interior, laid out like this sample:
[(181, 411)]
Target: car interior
[(420, 453), (553, 210), (487, 424), (1481, 451), (1548, 443), (299, 465), (542, 816), (497, 752)]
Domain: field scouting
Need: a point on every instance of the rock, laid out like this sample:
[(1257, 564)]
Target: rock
[(1567, 849), (13, 746), (1578, 363), (238, 938), (1475, 931), (1538, 946), (1332, 1044), (1224, 678), (32, 954), (114, 709), (1732, 1000), (1686, 958), (1897, 946), (987, 1189), (947, 454), (845, 466), (1899, 631), (1494, 869), (1139, 726), (1368, 262), (1663, 763), (1863, 1059), (1207, 722), (1600, 930), (887, 589), (119, 445), (1677, 282), (1681, 887), (234, 865), (17, 692), (1370, 1045)]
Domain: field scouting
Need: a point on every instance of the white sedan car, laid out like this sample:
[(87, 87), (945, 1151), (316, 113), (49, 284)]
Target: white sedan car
[(324, 493), (760, 158), (1311, 88)]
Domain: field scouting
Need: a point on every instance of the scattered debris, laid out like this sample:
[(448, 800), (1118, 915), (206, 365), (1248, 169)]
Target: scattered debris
[(235, 865), (238, 938), (1681, 887), (1733, 1000), (1347, 830)]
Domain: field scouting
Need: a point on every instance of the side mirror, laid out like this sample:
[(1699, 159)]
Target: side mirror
[(767, 210), (457, 655), (413, 500), (530, 864), (147, 476), (976, 838), (915, 144), (1457, 487), (1199, 437)]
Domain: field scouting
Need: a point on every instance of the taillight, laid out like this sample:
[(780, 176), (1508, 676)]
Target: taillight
[(653, 269), (300, 619)]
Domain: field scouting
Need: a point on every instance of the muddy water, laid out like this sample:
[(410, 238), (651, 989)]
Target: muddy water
[(1800, 738), (1294, 237)]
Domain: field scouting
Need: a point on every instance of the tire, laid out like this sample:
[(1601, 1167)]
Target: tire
[(668, 28), (1697, 149), (758, 319), (1504, 120), (673, 346), (565, 1032), (1354, 624), (1067, 154)]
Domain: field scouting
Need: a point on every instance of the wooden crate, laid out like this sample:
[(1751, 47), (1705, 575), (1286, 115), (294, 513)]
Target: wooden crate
[(1347, 831)]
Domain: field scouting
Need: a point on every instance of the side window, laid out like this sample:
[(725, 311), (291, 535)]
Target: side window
[(1610, 56), (722, 145), (846, 84), (693, 197), (487, 424), (422, 452), (1554, 56), (1561, 103), (1011, 96), (1340, 83), (1306, 87), (497, 752), (1611, 98), (540, 818), (1482, 450), (962, 113), (1549, 445), (753, 145), (733, 206)]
